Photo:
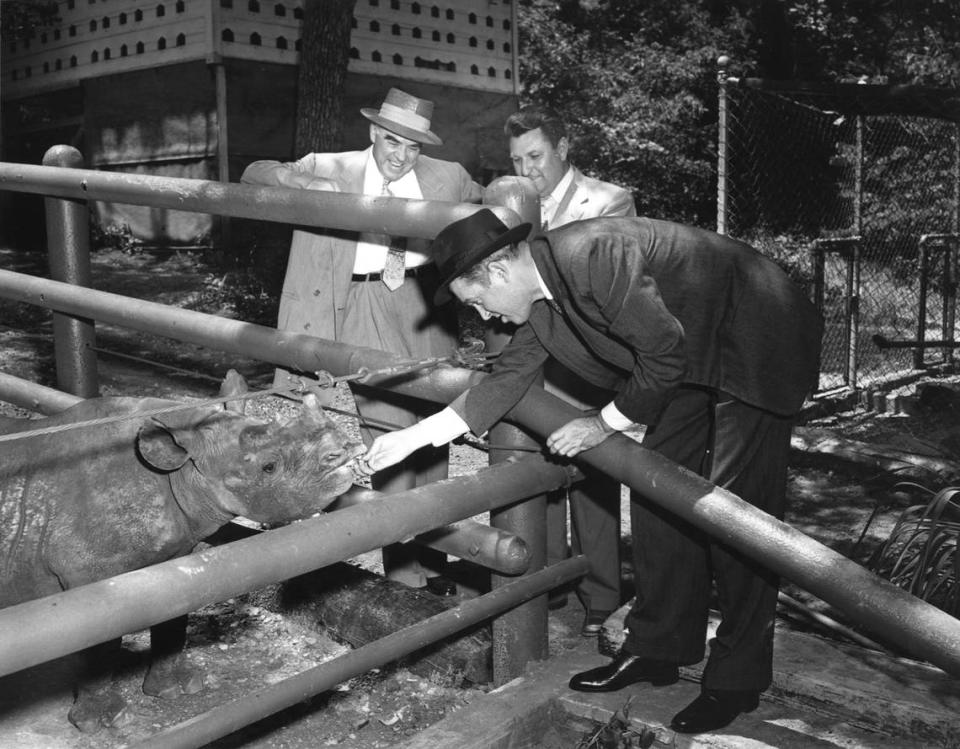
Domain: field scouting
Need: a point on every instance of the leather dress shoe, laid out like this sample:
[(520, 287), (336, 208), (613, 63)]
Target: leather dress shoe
[(441, 586), (593, 623), (713, 709), (624, 670)]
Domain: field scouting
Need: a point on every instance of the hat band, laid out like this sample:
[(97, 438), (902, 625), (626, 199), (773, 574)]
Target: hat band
[(404, 117)]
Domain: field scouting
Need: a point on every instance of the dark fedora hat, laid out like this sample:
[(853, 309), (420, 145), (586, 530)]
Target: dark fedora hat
[(406, 115), (466, 242)]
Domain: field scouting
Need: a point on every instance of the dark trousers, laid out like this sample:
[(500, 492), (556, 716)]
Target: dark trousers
[(744, 450), (594, 506)]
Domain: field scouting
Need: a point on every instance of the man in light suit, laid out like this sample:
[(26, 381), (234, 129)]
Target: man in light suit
[(706, 342), (342, 286), (539, 150)]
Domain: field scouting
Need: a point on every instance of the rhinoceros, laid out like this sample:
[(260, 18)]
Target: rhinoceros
[(88, 503)]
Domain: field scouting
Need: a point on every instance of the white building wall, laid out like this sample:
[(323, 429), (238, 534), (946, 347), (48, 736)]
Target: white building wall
[(472, 43)]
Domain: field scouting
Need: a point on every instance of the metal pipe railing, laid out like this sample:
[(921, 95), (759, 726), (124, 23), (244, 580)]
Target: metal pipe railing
[(491, 548), (34, 397), (344, 211), (232, 716), (294, 350), (68, 230), (920, 628), (46, 628)]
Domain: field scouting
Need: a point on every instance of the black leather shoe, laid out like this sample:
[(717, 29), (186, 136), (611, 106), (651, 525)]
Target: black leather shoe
[(441, 586), (624, 670), (593, 623), (713, 709)]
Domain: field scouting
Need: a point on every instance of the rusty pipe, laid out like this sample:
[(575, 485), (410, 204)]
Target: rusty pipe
[(232, 716), (293, 350), (492, 548), (46, 628), (343, 211), (920, 628)]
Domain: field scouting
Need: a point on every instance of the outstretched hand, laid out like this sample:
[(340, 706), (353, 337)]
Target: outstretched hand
[(387, 450), (578, 435)]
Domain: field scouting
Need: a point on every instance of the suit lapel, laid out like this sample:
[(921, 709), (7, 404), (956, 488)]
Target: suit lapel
[(571, 206)]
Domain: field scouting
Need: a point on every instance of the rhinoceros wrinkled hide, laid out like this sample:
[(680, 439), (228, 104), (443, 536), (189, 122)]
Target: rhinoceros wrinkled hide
[(84, 504)]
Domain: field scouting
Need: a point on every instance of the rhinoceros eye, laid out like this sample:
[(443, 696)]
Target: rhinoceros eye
[(269, 467)]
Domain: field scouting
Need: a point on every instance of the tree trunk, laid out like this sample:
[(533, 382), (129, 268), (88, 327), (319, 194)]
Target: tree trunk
[(324, 55)]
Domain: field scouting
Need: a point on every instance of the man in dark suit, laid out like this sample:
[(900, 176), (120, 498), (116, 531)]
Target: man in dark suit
[(339, 284), (699, 337)]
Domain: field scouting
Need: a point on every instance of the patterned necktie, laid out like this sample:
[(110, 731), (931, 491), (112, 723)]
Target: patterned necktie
[(393, 268)]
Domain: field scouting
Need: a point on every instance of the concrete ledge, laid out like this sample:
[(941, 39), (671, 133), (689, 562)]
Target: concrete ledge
[(524, 711), (861, 687)]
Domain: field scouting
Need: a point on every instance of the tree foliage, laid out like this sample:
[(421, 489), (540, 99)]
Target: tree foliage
[(636, 79), (21, 19)]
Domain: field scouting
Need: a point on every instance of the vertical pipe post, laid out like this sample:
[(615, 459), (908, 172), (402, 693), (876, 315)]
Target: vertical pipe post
[(722, 62), (949, 296), (922, 303), (520, 635), (68, 250), (854, 270), (854, 312)]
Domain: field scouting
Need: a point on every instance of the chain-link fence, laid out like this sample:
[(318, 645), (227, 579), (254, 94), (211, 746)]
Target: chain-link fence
[(855, 189)]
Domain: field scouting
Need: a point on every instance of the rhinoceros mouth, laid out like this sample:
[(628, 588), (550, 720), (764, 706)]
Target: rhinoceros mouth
[(351, 452)]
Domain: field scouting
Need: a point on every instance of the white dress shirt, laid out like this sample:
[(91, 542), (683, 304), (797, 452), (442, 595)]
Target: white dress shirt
[(372, 247)]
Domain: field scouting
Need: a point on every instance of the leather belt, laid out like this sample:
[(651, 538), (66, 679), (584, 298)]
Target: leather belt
[(417, 270)]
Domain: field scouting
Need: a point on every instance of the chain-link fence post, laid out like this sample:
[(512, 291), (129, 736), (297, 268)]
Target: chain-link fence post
[(722, 62)]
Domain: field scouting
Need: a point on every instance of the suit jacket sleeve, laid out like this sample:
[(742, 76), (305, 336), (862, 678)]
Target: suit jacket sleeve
[(293, 173), (514, 371)]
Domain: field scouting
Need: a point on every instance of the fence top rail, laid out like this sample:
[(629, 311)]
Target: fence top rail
[(867, 98), (343, 211)]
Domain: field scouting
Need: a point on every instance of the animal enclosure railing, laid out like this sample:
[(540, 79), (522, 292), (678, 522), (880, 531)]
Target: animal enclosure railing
[(923, 630)]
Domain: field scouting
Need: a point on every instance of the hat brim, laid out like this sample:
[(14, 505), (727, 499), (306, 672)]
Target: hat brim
[(463, 262), (420, 136)]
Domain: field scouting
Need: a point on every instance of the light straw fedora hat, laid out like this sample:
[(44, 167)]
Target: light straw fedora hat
[(405, 115)]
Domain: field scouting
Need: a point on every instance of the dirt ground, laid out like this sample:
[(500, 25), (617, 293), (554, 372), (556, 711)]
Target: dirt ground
[(243, 646)]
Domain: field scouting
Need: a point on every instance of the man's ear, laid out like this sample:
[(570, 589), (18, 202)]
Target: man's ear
[(373, 133), (563, 148), (499, 268)]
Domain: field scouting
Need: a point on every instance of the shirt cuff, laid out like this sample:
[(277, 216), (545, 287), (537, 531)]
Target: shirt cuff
[(614, 419), (443, 427)]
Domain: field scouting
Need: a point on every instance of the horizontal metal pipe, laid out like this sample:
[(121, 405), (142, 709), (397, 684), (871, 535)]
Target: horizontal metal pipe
[(34, 397), (492, 548), (921, 629), (346, 211), (232, 716), (46, 628), (883, 342), (294, 350)]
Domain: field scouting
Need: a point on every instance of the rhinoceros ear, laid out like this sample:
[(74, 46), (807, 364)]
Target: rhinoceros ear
[(159, 448), (234, 384)]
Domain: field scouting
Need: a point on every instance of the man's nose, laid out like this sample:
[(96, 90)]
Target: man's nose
[(403, 153), (525, 167)]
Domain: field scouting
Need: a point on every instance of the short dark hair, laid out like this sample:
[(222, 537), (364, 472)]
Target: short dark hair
[(535, 116), (480, 272)]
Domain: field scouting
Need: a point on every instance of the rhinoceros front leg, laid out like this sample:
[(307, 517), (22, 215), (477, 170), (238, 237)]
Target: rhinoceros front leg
[(169, 674), (98, 703)]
